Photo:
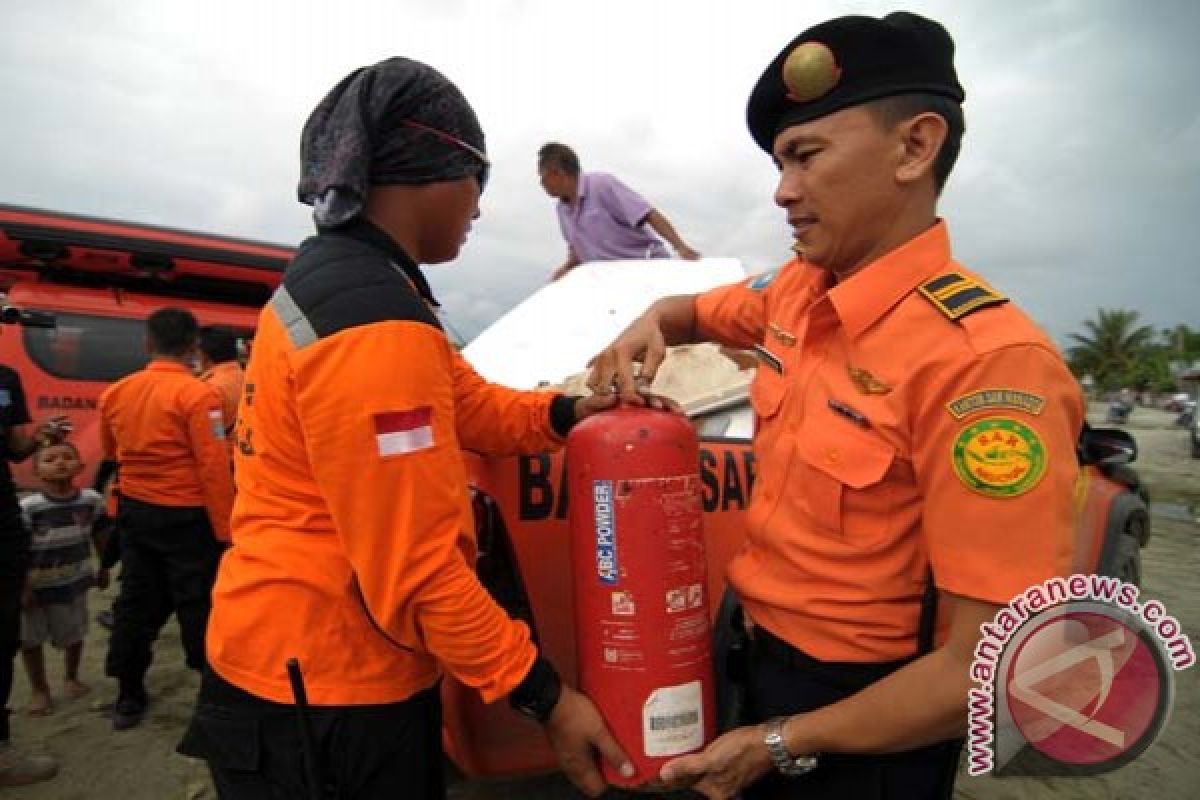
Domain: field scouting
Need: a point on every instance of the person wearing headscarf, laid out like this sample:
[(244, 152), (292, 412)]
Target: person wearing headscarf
[(353, 542)]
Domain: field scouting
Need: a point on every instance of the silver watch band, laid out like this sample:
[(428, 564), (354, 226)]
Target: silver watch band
[(785, 762)]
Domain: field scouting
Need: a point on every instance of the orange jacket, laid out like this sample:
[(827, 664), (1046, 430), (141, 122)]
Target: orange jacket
[(165, 429), (227, 378), (353, 542), (898, 429)]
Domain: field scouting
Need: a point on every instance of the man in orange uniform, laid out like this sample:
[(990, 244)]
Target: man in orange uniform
[(220, 369), (353, 539), (913, 426), (165, 430)]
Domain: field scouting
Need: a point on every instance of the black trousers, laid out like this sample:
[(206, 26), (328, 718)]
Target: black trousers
[(14, 562), (784, 681), (253, 747), (169, 560)]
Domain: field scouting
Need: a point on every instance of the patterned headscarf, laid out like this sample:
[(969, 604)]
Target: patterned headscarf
[(397, 122)]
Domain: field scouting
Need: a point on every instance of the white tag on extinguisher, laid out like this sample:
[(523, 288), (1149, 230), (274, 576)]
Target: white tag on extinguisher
[(673, 720)]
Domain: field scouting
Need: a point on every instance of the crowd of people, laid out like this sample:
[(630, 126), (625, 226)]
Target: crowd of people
[(343, 549), (164, 431)]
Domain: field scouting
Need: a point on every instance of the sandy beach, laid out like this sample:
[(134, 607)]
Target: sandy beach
[(141, 764)]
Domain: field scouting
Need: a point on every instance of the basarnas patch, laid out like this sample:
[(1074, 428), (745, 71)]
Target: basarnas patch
[(999, 457), (986, 399)]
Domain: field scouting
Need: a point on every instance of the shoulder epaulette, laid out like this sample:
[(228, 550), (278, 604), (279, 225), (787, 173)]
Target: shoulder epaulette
[(956, 295)]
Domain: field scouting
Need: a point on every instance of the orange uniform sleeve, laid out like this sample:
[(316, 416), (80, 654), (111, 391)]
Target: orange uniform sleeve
[(384, 452), (733, 315), (206, 436), (499, 421), (994, 455)]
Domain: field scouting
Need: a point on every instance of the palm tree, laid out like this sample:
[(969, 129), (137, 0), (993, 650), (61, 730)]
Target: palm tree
[(1111, 348)]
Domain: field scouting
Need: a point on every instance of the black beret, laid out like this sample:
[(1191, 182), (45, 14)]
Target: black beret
[(848, 61)]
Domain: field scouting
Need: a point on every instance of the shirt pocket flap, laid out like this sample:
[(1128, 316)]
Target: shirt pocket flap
[(767, 391), (853, 457)]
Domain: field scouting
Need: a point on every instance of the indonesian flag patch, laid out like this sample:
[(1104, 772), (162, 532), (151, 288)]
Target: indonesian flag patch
[(217, 420), (400, 432)]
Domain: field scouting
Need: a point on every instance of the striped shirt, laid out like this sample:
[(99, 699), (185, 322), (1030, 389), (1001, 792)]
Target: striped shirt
[(60, 567)]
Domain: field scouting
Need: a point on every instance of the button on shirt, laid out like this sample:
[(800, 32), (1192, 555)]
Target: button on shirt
[(605, 223), (868, 440)]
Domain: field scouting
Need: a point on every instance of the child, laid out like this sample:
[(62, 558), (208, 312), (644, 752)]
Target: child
[(63, 521)]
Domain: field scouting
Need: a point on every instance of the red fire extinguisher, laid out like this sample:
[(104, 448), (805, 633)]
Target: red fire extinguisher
[(642, 631)]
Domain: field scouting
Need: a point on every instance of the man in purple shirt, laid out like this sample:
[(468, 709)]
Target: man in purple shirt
[(601, 218)]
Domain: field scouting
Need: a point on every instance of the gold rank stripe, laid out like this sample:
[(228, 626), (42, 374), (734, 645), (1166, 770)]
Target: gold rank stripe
[(954, 288), (956, 296)]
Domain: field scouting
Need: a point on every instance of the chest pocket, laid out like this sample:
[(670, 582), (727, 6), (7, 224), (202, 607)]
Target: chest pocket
[(841, 469), (766, 392)]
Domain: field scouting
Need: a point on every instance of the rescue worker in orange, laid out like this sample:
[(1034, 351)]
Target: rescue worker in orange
[(353, 541), (915, 430), (165, 429), (219, 367)]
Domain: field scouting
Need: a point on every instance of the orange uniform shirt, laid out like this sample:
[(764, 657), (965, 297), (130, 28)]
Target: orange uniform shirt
[(353, 539), (227, 378), (165, 429), (892, 438)]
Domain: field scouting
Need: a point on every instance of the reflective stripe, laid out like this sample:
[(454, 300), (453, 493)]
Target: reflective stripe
[(298, 328)]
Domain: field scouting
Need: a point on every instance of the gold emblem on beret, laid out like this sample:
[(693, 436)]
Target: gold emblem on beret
[(809, 72)]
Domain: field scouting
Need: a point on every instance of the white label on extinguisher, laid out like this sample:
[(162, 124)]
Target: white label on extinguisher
[(673, 720), (606, 531)]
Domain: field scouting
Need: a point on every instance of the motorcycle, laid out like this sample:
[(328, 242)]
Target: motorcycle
[(1118, 412), (1187, 415)]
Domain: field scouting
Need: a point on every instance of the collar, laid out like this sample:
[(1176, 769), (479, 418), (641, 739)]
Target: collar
[(224, 366), (363, 230), (71, 498), (163, 365), (863, 298), (581, 187)]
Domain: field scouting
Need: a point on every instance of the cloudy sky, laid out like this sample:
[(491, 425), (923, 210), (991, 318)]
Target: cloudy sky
[(1078, 188)]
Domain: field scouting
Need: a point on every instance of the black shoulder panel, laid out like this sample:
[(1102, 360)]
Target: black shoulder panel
[(956, 295), (337, 283)]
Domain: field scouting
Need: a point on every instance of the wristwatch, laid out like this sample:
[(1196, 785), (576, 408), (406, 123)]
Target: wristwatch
[(785, 762)]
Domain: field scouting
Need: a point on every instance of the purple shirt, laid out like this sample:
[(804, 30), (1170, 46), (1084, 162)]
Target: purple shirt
[(605, 222)]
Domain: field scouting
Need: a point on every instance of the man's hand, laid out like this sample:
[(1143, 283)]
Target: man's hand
[(687, 253), (595, 403), (24, 439), (724, 768), (613, 370), (52, 430), (576, 730)]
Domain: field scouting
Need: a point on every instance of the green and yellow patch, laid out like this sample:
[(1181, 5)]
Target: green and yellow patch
[(999, 457)]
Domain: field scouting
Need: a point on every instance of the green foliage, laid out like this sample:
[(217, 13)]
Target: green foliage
[(1118, 352)]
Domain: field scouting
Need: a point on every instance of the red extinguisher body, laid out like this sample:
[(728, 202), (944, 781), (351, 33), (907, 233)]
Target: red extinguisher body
[(643, 637)]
